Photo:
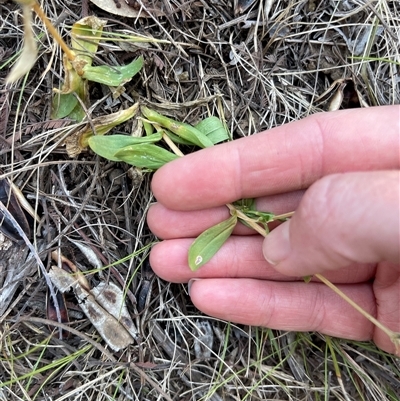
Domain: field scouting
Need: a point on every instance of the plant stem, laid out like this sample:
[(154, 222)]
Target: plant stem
[(392, 335), (171, 144), (248, 220), (53, 31), (283, 216), (395, 337)]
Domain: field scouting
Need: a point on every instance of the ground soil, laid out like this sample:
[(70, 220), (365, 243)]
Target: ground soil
[(254, 64)]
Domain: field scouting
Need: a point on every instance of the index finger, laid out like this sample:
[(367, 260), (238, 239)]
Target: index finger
[(283, 159)]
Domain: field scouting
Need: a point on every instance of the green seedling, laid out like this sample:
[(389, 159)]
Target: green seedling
[(73, 96), (108, 146), (182, 130), (71, 100), (143, 153), (208, 243)]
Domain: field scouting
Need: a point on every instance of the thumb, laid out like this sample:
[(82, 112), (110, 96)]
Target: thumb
[(342, 219)]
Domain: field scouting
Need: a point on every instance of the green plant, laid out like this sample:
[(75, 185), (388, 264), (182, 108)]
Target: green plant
[(73, 97), (142, 152)]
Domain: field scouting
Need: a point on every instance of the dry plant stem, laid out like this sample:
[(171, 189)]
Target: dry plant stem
[(5, 211), (283, 216), (172, 146), (248, 220), (95, 344), (24, 203), (103, 350), (69, 329), (395, 337), (53, 31)]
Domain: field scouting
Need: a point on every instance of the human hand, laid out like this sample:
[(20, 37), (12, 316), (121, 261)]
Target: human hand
[(339, 171)]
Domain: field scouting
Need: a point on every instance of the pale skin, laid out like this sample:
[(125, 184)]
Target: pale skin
[(339, 171)]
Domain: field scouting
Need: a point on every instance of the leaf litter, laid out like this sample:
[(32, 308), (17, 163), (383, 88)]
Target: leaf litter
[(272, 64)]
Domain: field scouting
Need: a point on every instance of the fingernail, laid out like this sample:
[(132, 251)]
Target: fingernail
[(276, 245), (191, 281)]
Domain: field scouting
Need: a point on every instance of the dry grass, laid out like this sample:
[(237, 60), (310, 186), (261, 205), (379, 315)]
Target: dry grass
[(257, 70)]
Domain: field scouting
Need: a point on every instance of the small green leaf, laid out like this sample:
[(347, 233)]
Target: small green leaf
[(112, 76), (63, 104), (245, 204), (108, 146), (148, 128), (259, 217), (185, 131), (214, 129), (208, 243), (145, 156)]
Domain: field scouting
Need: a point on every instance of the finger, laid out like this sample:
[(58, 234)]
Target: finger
[(284, 159), (287, 306), (342, 219), (167, 224), (386, 287), (240, 257)]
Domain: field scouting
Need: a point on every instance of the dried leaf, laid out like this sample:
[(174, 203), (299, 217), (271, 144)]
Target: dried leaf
[(147, 365), (27, 58), (240, 6), (77, 142), (208, 243), (4, 113), (69, 267), (112, 299), (113, 333), (44, 126), (10, 201), (51, 311), (121, 7), (89, 253), (203, 339), (345, 95)]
